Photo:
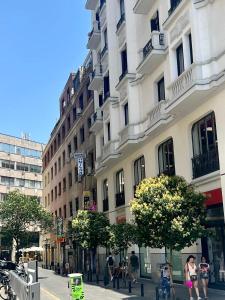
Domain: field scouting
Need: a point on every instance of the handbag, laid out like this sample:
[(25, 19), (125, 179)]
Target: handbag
[(193, 277), (189, 284)]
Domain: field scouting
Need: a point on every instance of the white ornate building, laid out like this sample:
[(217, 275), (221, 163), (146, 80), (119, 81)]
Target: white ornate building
[(159, 80)]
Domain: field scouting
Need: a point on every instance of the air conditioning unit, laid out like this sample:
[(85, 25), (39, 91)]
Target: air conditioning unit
[(79, 111)]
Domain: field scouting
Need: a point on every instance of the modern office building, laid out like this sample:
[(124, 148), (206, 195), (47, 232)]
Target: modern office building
[(20, 168), (159, 83), (68, 167)]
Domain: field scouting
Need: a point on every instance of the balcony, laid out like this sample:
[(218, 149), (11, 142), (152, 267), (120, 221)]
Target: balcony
[(205, 163), (120, 199), (157, 117), (121, 21), (91, 4), (143, 6), (105, 204), (96, 121), (174, 5), (96, 79), (109, 151), (94, 36), (130, 137), (153, 54)]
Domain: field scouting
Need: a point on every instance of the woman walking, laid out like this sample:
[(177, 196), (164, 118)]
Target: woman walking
[(191, 276), (204, 275)]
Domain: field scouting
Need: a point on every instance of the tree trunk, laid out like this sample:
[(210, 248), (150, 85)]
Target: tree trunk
[(171, 270)]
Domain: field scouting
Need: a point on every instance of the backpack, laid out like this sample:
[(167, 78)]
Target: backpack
[(110, 261)]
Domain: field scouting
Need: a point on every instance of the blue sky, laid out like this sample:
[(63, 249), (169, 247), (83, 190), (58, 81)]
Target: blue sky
[(41, 42)]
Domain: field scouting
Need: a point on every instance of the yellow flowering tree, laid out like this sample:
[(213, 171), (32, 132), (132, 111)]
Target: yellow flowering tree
[(168, 212)]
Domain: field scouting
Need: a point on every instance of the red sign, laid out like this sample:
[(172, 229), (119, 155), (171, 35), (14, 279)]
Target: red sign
[(213, 197)]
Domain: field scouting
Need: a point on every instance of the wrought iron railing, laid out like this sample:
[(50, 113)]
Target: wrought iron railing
[(205, 163)]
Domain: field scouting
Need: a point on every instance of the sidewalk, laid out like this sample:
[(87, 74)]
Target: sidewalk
[(149, 290)]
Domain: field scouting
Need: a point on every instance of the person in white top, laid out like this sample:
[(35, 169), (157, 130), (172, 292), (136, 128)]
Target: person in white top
[(191, 275)]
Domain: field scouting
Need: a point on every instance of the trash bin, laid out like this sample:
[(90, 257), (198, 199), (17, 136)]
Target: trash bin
[(76, 286)]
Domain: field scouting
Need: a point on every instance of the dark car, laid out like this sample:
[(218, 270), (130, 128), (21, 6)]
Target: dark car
[(7, 265)]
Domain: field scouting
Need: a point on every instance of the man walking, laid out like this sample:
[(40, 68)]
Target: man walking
[(134, 265), (110, 263)]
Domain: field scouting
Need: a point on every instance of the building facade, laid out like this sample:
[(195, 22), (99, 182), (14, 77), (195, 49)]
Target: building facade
[(20, 168), (68, 168), (159, 85)]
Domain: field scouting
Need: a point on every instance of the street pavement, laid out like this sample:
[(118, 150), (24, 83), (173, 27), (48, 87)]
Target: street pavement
[(55, 287)]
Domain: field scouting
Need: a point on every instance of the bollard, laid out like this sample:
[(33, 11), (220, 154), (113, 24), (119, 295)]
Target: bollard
[(117, 283), (97, 279), (156, 293), (114, 282), (90, 276), (142, 290), (129, 287)]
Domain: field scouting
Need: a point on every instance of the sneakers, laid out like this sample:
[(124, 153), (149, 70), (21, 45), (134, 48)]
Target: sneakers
[(191, 298), (199, 298)]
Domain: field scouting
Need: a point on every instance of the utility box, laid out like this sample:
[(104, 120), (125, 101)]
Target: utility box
[(76, 286)]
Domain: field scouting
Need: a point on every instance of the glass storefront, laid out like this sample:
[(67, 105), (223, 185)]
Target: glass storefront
[(145, 262)]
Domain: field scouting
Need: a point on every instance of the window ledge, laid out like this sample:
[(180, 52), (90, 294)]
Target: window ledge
[(206, 178)]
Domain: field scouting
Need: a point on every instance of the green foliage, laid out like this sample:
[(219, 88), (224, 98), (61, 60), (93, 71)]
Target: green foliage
[(91, 229), (169, 213), (123, 236), (19, 212)]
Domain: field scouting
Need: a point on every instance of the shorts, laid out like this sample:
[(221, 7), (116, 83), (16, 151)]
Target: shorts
[(204, 276)]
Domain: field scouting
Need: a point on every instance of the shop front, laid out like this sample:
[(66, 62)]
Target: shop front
[(213, 247)]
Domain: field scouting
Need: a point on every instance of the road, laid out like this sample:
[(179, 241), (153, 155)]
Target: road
[(54, 287)]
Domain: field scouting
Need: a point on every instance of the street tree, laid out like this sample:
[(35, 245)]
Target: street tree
[(169, 213), (123, 236), (91, 230), (20, 213)]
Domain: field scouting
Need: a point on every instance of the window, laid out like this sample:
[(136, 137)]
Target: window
[(70, 179), (108, 131), (105, 38), (48, 199), (59, 139), (51, 172), (82, 135), (8, 181), (75, 143), (190, 47), (161, 89), (60, 189), (126, 114), (77, 204), (105, 189), (68, 123), (64, 158), (68, 95), (155, 22), (56, 192), (205, 148), (52, 195), (166, 158), (56, 213), (81, 102), (55, 147), (63, 132), (75, 174), (139, 170), (120, 197), (64, 184), (100, 100), (74, 114), (71, 208), (69, 149), (55, 168), (106, 87), (89, 122), (63, 105), (60, 212), (59, 164), (180, 59), (122, 8), (48, 177), (124, 61), (64, 211), (7, 164), (51, 151)]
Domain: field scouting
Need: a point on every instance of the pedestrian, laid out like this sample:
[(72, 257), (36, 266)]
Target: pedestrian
[(134, 265), (110, 263), (191, 276), (67, 267), (204, 275)]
